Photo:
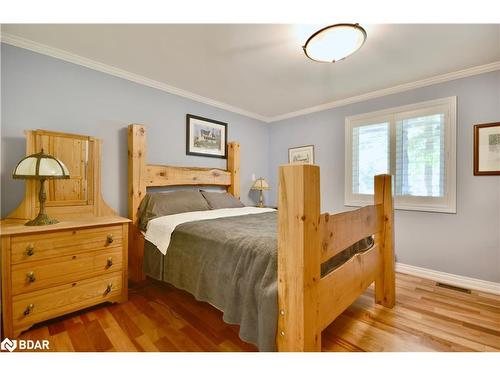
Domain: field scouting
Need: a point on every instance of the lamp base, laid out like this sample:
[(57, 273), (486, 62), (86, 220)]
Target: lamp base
[(261, 199), (41, 219)]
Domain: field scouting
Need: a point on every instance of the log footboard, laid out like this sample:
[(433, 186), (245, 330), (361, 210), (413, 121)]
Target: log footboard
[(308, 303)]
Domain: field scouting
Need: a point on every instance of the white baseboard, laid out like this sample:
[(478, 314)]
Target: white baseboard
[(451, 279)]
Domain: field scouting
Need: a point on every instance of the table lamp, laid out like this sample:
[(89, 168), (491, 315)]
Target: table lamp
[(261, 185), (41, 167)]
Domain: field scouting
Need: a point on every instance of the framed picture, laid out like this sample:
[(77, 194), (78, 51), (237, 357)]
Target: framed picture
[(487, 149), (301, 155), (205, 137)]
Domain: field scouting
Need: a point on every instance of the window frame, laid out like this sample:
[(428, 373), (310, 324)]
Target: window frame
[(445, 204)]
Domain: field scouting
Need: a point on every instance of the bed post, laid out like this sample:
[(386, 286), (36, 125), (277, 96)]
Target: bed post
[(233, 166), (298, 259), (385, 284), (136, 191)]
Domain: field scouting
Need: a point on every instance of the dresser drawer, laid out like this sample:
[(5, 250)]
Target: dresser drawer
[(33, 247), (31, 276), (37, 306)]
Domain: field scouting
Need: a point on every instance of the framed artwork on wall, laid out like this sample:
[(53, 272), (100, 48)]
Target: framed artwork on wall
[(487, 149), (301, 155), (206, 137)]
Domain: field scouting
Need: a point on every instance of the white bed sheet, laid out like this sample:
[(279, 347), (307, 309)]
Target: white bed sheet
[(159, 231)]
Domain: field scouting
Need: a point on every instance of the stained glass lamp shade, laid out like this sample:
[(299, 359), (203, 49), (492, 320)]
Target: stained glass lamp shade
[(41, 167)]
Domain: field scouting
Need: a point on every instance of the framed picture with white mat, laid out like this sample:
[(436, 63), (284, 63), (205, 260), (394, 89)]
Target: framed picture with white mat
[(487, 149)]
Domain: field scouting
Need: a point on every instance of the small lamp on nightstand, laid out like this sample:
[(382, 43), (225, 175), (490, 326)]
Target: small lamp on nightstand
[(260, 184), (41, 167)]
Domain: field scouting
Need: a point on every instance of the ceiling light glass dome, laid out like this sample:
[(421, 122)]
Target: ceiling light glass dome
[(335, 42)]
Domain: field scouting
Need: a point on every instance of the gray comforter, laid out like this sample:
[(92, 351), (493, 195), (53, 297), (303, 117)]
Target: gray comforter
[(231, 263)]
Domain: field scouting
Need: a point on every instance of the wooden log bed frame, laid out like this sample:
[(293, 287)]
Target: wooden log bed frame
[(307, 302)]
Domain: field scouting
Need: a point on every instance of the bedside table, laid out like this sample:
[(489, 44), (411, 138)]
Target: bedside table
[(52, 270)]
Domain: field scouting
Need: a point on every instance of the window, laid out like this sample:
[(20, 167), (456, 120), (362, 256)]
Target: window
[(416, 144)]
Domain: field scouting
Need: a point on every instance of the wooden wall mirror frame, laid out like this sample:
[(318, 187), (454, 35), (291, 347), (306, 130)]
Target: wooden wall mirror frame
[(80, 196)]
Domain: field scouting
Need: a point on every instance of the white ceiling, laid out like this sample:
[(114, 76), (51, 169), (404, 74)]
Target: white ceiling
[(261, 68)]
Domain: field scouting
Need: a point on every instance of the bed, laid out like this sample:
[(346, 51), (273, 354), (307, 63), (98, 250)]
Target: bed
[(283, 275)]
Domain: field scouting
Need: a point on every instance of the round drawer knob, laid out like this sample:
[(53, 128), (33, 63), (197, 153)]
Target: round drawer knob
[(109, 238), (31, 277), (29, 309), (109, 262), (108, 288), (30, 250)]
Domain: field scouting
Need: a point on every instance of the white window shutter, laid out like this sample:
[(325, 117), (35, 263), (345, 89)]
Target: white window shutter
[(414, 143)]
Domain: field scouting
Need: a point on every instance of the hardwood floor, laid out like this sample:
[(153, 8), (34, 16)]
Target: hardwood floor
[(158, 317)]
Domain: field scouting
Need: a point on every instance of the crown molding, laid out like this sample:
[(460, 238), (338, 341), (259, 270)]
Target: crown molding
[(475, 70), (117, 72), (449, 278)]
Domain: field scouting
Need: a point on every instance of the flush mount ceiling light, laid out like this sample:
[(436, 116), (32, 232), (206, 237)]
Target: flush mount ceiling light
[(335, 42)]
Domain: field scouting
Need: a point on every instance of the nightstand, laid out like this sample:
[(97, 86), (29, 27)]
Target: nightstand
[(52, 270)]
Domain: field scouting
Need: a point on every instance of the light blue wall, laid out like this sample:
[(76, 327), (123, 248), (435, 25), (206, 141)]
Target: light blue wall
[(40, 92), (43, 92), (467, 243)]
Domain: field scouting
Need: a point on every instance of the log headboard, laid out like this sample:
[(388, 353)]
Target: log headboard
[(142, 175)]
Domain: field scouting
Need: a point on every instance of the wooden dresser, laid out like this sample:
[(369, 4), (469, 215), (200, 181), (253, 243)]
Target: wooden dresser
[(52, 270)]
